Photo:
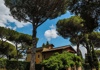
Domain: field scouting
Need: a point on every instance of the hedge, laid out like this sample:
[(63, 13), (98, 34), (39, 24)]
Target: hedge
[(17, 65), (14, 65)]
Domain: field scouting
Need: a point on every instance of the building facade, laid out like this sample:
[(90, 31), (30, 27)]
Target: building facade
[(46, 52)]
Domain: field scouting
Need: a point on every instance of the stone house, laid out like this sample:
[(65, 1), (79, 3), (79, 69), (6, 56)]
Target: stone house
[(45, 52)]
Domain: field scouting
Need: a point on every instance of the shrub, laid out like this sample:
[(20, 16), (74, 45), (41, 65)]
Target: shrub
[(62, 61), (2, 63), (14, 65)]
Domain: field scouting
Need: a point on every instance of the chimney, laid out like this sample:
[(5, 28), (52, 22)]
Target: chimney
[(48, 47)]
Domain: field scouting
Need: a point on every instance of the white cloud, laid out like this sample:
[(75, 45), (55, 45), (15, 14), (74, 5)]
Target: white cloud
[(4, 16), (52, 33), (83, 50)]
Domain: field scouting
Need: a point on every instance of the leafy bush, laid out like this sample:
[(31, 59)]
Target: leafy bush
[(17, 65), (64, 60), (14, 65), (2, 63)]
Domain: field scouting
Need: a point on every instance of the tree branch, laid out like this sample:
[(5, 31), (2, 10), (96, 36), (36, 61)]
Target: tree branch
[(42, 22), (27, 19)]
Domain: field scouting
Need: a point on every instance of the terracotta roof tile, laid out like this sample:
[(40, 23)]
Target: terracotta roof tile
[(59, 48), (53, 49)]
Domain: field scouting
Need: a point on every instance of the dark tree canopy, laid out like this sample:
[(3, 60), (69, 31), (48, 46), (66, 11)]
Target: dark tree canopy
[(89, 10), (97, 52), (95, 38), (7, 49), (17, 38), (36, 11), (70, 27)]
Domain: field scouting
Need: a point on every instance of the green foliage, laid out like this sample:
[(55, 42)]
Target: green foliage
[(3, 33), (80, 34), (17, 38), (99, 65), (64, 60), (43, 45), (97, 52), (70, 27), (47, 44), (35, 10), (2, 63), (88, 10), (17, 65), (95, 38), (25, 38), (91, 41), (7, 49), (91, 58), (14, 65)]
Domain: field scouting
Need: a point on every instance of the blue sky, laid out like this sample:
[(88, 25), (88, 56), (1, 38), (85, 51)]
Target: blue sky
[(57, 41)]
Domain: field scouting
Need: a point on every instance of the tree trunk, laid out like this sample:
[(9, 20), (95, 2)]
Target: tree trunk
[(94, 56), (17, 51), (9, 57), (78, 54), (77, 43), (89, 55), (78, 51), (33, 50)]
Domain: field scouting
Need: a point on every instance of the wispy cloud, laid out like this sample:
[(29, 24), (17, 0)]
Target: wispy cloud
[(52, 33), (5, 16)]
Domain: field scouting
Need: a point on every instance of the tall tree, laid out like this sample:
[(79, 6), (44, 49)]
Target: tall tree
[(47, 43), (3, 34), (71, 28), (20, 38), (43, 45), (14, 37), (89, 10), (7, 49), (75, 29), (89, 42), (17, 38), (95, 38), (26, 42), (36, 12)]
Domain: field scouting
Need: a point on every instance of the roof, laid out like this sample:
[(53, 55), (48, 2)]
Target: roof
[(53, 49), (60, 48)]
